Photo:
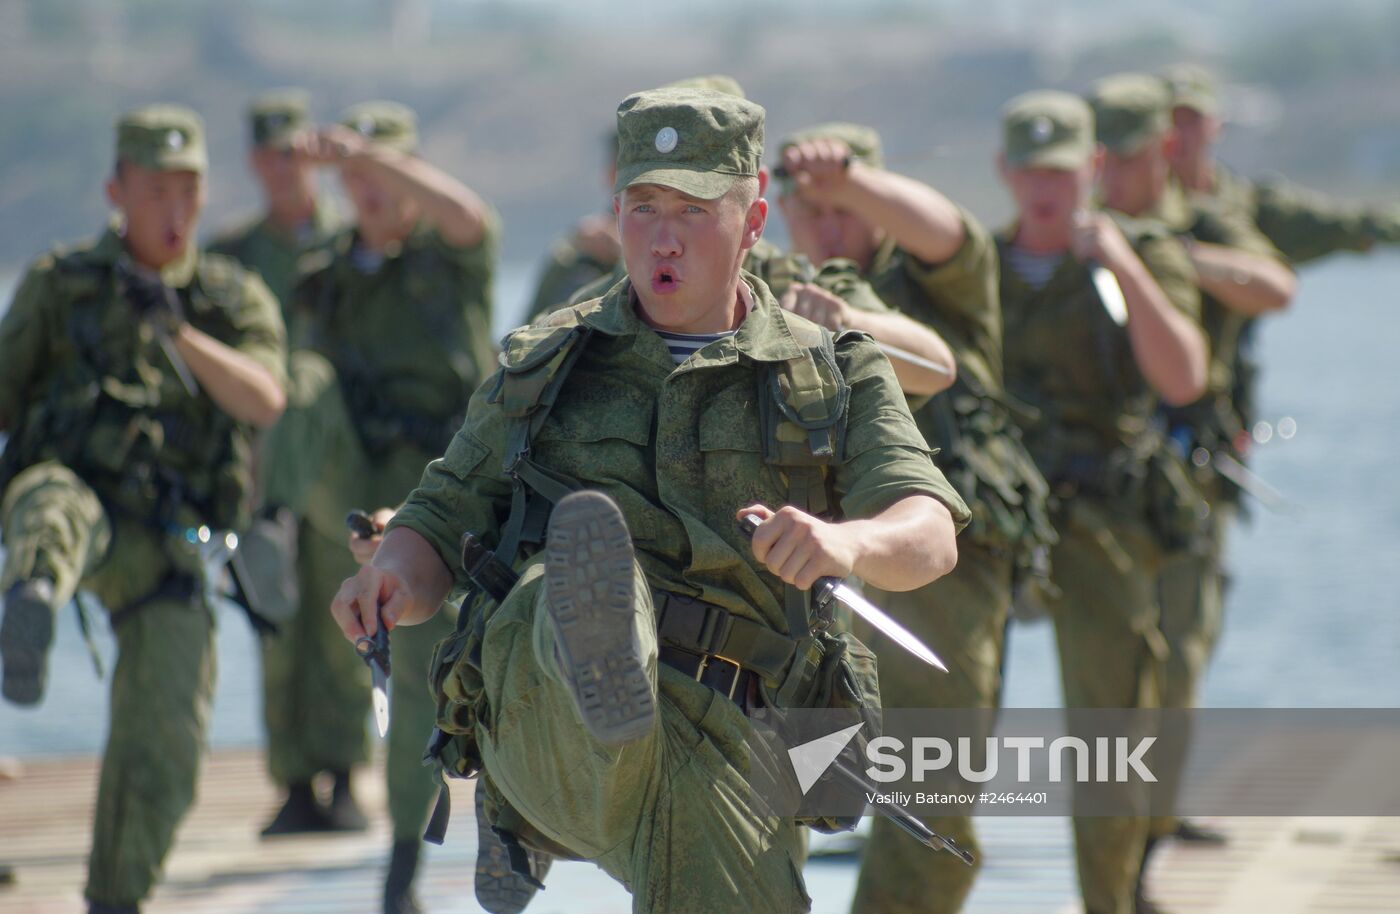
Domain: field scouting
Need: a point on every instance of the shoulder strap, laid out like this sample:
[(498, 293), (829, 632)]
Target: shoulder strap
[(803, 405)]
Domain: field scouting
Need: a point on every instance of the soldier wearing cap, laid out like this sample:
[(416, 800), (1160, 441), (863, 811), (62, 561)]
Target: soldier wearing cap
[(935, 265), (1095, 384), (393, 334), (295, 219), (1241, 277), (115, 463), (606, 729), (1303, 224)]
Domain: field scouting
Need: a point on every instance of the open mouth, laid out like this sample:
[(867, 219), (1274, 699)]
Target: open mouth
[(664, 280)]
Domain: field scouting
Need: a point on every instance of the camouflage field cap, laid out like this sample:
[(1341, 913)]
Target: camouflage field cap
[(1047, 129), (162, 138), (715, 82), (696, 141), (863, 142), (1192, 86), (389, 124), (1129, 110), (276, 117)]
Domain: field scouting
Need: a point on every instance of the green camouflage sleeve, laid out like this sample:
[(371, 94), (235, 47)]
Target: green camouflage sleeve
[(842, 279), (964, 290), (259, 330), (1306, 225), (464, 490), (886, 458), (23, 336), (1166, 259), (1233, 229)]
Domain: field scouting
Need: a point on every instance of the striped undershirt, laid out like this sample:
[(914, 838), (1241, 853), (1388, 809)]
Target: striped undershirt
[(1034, 269), (684, 345)]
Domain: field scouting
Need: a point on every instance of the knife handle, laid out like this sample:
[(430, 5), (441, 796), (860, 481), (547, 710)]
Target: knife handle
[(822, 591)]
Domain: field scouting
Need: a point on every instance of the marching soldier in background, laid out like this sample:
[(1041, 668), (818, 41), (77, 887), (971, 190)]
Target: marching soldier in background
[(295, 218), (132, 372), (1241, 276), (1096, 380), (932, 262), (395, 325)]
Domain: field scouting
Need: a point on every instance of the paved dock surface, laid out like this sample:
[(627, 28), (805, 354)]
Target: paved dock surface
[(219, 866)]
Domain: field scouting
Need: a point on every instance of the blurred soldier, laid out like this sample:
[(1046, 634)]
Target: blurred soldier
[(132, 370), (609, 727), (1303, 224), (931, 261), (1096, 384), (588, 254), (1241, 276), (295, 220), (396, 323)]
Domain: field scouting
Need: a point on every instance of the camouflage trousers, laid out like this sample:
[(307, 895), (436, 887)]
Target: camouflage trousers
[(668, 814), (1192, 593), (316, 688), (163, 681), (963, 617), (1112, 655)]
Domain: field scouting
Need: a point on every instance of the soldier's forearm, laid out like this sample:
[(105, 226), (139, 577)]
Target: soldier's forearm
[(452, 208), (909, 544), (238, 385), (920, 219), (405, 554), (1248, 283), (1170, 350), (908, 334)]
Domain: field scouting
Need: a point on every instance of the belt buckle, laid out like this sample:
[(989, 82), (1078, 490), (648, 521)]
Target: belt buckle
[(705, 660)]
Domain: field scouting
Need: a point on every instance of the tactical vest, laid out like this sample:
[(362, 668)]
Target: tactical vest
[(379, 423), (803, 406), (165, 461)]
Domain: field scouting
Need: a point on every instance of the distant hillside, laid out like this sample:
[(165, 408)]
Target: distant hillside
[(517, 104)]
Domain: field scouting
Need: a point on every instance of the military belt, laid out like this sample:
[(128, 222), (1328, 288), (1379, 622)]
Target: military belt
[(716, 647)]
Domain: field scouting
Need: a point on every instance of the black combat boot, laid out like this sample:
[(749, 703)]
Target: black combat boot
[(1141, 903), (1190, 832), (589, 584), (300, 815), (26, 633), (398, 884), (499, 888), (344, 814)]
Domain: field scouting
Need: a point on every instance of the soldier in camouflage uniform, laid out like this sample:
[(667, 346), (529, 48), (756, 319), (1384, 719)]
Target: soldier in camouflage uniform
[(1096, 386), (113, 465), (295, 219), (395, 323), (1241, 276), (933, 262), (604, 724)]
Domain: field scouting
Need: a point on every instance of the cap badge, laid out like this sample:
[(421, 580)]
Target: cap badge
[(1041, 129), (175, 140), (365, 126), (666, 139)]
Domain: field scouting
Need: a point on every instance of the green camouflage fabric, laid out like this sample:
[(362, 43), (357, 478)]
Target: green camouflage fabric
[(275, 118), (1047, 129), (275, 255), (388, 124), (1065, 356), (1129, 110), (163, 138), (964, 612), (567, 269), (74, 520), (393, 356), (70, 331), (697, 141), (680, 449)]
